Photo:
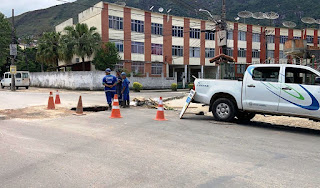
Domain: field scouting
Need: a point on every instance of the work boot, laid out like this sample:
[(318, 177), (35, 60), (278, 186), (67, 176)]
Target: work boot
[(128, 104), (122, 104), (110, 106)]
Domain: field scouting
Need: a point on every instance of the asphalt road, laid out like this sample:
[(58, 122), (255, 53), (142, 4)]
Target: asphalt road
[(136, 151)]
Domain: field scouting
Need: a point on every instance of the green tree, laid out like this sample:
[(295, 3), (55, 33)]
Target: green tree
[(85, 41), (27, 59), (48, 49), (5, 40), (106, 57)]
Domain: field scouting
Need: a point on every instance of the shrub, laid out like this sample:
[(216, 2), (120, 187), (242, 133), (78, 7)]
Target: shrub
[(190, 86), (174, 87), (137, 86)]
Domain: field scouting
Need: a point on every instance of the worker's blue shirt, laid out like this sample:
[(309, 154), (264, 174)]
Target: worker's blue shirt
[(109, 80), (126, 83)]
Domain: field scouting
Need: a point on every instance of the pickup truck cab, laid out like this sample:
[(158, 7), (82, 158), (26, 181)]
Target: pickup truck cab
[(276, 89), (21, 79)]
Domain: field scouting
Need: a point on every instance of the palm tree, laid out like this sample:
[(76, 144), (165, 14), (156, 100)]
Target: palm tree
[(48, 49), (85, 41)]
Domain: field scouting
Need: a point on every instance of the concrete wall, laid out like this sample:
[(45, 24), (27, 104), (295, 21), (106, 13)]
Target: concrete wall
[(90, 80)]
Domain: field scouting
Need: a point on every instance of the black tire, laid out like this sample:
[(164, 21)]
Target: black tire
[(27, 87), (245, 116), (223, 109), (2, 87), (17, 87)]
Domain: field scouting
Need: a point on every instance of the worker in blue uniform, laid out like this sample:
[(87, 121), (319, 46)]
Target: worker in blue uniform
[(109, 82), (119, 87), (125, 90)]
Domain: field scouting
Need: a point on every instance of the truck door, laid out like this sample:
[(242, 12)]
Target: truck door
[(261, 89), (300, 94), (7, 79), (25, 79), (18, 79)]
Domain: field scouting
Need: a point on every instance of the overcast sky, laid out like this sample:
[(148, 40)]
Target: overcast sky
[(21, 6)]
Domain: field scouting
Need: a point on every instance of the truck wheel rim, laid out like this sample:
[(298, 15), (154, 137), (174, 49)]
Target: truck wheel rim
[(223, 110)]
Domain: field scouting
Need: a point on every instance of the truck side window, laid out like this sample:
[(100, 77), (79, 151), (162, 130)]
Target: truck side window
[(300, 76), (24, 75), (18, 75), (5, 75), (266, 74)]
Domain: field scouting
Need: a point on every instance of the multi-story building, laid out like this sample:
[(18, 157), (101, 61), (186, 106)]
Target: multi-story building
[(155, 44)]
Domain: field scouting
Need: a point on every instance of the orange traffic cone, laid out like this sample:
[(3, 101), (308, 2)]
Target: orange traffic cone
[(160, 112), (79, 110), (57, 101), (51, 102), (115, 113)]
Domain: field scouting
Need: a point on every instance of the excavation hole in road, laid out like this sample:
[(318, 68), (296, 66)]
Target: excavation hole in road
[(93, 109)]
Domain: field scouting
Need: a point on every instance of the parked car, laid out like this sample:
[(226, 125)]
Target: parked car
[(279, 89), (21, 77)]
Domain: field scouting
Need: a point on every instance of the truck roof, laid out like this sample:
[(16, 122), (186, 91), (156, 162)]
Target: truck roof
[(279, 65), (18, 72)]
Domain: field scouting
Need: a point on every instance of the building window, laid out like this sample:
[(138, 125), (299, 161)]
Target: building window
[(270, 38), (297, 38), (283, 39), (156, 68), (242, 52), (177, 50), (209, 52), (118, 44), (115, 22), (137, 26), (177, 31), (137, 67), (194, 33), (137, 47), (156, 29), (242, 35), (209, 35), (156, 49), (271, 53), (309, 39), (118, 66), (256, 37), (230, 35), (241, 68), (281, 55), (230, 52), (255, 53), (194, 52)]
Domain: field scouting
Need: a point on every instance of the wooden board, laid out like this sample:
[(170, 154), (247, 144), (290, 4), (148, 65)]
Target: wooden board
[(188, 101)]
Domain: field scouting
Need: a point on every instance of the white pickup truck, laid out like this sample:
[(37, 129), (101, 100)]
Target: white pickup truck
[(277, 89)]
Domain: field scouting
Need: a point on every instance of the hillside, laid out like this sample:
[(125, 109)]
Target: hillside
[(36, 22)]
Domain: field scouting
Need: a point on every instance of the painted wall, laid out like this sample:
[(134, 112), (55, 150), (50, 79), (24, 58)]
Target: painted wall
[(90, 80)]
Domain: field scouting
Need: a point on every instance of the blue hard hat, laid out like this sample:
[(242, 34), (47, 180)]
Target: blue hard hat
[(123, 73), (108, 70)]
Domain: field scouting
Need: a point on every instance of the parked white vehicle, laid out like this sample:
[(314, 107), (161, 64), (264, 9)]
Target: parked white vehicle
[(21, 77), (278, 89)]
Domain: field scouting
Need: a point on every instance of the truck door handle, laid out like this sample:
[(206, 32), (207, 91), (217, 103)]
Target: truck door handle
[(286, 88), (251, 85)]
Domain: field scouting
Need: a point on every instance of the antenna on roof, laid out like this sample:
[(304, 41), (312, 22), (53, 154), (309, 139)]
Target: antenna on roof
[(151, 8), (245, 14), (161, 10)]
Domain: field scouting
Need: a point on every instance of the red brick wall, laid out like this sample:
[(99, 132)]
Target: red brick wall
[(262, 46), (315, 38), (147, 34), (203, 44), (290, 34), (105, 23), (186, 37), (235, 41), (147, 67), (167, 39), (127, 34), (277, 45), (249, 43)]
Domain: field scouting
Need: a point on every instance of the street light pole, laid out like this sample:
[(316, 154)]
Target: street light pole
[(13, 83)]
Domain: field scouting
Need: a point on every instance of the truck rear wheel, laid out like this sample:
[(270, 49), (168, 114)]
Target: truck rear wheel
[(245, 116), (2, 87), (223, 109)]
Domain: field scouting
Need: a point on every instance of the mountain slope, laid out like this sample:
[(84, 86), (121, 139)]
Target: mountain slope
[(36, 22)]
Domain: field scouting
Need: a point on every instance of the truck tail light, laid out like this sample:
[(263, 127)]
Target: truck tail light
[(194, 86)]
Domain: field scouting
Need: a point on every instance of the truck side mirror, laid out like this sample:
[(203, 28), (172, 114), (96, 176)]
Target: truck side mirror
[(317, 80)]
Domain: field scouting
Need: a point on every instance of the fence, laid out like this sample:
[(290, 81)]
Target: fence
[(91, 80)]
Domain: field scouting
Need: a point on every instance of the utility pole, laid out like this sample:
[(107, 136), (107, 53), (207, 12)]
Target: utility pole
[(13, 80)]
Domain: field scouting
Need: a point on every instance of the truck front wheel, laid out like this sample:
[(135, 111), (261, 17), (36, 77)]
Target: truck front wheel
[(223, 109)]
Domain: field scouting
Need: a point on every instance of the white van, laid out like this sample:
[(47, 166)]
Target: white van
[(22, 79)]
